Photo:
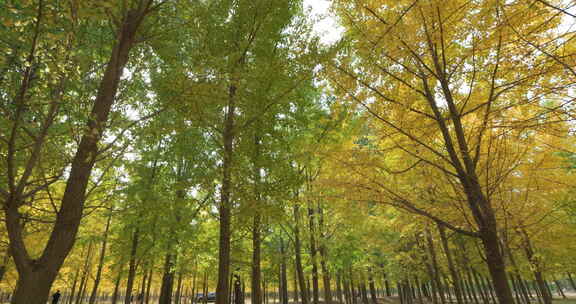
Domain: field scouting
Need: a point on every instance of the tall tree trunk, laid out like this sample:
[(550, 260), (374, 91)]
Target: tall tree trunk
[(494, 257), (100, 261), (116, 287), (532, 258), (149, 283), (132, 267), (168, 278), (451, 266), (313, 255), (298, 255), (35, 276), (223, 287), (256, 229)]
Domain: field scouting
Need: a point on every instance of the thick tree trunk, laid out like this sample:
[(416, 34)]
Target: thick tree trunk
[(167, 279), (100, 262), (223, 287), (37, 275), (298, 255), (495, 263)]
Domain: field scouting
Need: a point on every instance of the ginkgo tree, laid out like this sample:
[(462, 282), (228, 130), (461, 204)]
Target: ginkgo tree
[(448, 86)]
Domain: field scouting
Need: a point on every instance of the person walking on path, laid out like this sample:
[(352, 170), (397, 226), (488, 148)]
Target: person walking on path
[(56, 297)]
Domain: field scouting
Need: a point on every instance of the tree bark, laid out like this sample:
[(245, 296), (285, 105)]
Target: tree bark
[(223, 287), (168, 279), (132, 267)]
